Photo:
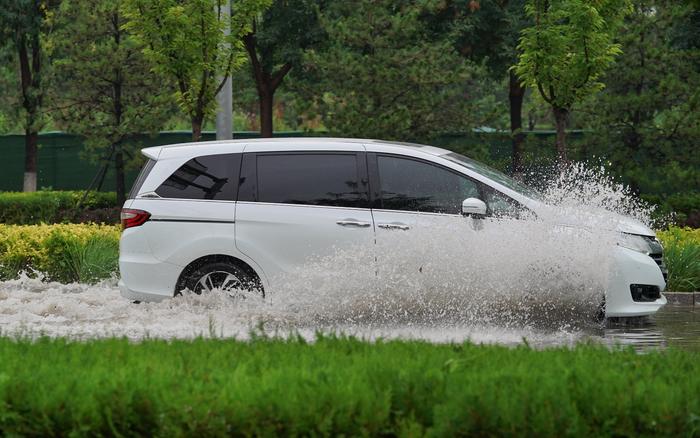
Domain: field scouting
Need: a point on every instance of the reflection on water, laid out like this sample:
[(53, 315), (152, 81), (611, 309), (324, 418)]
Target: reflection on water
[(673, 326)]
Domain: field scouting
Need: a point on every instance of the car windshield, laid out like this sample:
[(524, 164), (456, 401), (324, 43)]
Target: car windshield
[(493, 174)]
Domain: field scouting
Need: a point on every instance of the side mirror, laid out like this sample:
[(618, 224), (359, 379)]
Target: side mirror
[(473, 207)]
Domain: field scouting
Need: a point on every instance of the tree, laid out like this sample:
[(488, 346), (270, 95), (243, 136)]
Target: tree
[(186, 43), (488, 31), (10, 101), (566, 50), (24, 24), (646, 123), (102, 86), (382, 74), (276, 44)]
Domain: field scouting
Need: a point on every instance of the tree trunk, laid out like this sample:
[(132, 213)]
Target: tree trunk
[(31, 102), (119, 172), (197, 128), (31, 140), (265, 82), (118, 110), (516, 95), (266, 98), (561, 118)]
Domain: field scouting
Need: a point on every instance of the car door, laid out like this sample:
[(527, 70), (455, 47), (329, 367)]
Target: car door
[(299, 209), (416, 208)]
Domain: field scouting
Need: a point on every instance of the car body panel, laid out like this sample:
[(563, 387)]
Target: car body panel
[(283, 237), (392, 229)]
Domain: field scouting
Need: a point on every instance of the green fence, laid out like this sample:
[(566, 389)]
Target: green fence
[(63, 166)]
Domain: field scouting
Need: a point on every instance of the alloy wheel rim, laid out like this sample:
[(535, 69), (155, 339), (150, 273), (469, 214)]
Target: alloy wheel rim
[(220, 281)]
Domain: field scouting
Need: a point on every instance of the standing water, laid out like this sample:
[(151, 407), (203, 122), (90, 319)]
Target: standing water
[(30, 307)]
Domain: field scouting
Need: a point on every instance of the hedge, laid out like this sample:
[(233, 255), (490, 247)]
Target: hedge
[(56, 206), (682, 257), (62, 252), (341, 387)]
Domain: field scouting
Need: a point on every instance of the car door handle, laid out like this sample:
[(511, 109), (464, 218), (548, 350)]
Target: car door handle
[(394, 226), (353, 223)]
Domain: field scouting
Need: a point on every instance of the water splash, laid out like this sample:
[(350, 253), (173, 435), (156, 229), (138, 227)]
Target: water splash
[(549, 270), (593, 194), (451, 279), (508, 273), (30, 307)]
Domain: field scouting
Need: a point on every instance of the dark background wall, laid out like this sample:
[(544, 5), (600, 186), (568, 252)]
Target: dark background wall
[(63, 165)]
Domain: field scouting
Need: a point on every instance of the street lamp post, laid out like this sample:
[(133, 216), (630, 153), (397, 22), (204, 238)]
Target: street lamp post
[(224, 113)]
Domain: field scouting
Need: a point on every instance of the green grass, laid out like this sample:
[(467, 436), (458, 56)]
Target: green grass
[(92, 260), (341, 386)]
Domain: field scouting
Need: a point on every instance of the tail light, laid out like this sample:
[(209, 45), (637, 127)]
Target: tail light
[(133, 218)]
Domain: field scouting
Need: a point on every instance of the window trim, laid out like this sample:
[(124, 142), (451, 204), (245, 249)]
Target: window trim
[(249, 169)]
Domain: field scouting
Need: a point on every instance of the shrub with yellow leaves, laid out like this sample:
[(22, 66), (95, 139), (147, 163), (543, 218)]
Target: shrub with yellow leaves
[(61, 252)]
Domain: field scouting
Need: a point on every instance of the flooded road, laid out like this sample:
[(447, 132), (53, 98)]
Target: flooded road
[(675, 326), (29, 307)]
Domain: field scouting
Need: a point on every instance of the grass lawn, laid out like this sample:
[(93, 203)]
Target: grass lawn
[(345, 386)]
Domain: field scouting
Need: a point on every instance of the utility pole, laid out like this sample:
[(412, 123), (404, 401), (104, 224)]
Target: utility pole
[(224, 113)]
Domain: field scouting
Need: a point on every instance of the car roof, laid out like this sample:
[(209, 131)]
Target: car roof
[(303, 143)]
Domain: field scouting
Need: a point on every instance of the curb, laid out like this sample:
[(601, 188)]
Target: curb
[(683, 298)]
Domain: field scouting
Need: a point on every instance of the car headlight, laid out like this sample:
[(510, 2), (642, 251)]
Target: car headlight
[(635, 243)]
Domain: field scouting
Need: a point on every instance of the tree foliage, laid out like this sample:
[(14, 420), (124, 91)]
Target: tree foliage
[(490, 33), (187, 44), (24, 25), (646, 123), (383, 74), (567, 49), (276, 44), (103, 88)]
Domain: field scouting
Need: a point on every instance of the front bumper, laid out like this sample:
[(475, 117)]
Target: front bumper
[(631, 267)]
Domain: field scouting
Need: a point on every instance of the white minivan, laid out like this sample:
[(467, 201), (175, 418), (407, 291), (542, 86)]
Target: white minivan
[(232, 215)]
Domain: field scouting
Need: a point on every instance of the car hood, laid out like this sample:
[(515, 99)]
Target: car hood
[(630, 225), (595, 219)]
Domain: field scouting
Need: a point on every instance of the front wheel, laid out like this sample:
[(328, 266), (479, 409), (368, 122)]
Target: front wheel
[(600, 313), (221, 277)]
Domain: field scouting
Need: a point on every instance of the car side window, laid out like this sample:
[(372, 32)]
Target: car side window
[(210, 177), (413, 185), (499, 205), (145, 171), (328, 179)]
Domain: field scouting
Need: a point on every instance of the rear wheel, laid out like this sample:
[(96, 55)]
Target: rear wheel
[(221, 277)]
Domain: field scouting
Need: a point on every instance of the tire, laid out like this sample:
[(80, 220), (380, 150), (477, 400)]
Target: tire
[(221, 276), (600, 313)]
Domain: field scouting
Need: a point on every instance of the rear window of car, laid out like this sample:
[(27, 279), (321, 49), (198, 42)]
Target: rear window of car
[(327, 179), (145, 170), (213, 177)]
